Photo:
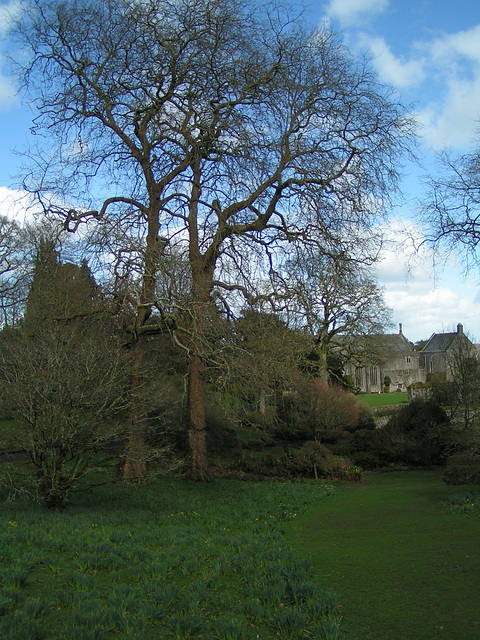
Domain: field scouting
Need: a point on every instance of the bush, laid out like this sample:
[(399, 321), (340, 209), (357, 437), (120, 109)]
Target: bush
[(365, 419), (462, 468), (220, 434), (316, 411), (366, 460), (265, 466), (444, 392), (67, 389), (418, 434), (313, 460)]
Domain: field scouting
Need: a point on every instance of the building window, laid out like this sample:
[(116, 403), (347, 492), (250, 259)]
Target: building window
[(408, 359)]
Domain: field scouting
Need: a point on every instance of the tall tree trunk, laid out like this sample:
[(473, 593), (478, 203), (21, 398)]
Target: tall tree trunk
[(134, 465), (197, 424)]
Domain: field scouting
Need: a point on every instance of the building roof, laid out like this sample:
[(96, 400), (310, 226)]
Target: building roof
[(440, 342), (443, 341), (376, 347), (394, 342)]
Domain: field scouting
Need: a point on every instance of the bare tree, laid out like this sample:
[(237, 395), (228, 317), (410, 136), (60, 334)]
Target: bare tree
[(66, 392), (227, 129), (462, 382), (64, 376), (337, 301), (452, 205)]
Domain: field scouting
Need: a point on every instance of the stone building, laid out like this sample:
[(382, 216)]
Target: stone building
[(385, 356), (443, 349), (392, 356)]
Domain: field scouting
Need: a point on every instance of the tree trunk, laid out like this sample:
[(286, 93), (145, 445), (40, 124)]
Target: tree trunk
[(262, 402), (134, 466), (197, 425)]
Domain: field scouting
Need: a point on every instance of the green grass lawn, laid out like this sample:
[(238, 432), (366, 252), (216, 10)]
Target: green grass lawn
[(232, 560), (383, 399), (405, 566), (166, 559)]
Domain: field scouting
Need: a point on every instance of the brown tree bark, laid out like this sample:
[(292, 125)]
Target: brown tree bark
[(199, 469), (134, 464)]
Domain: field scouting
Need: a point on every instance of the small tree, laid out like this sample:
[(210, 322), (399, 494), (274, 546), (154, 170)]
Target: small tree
[(264, 358), (66, 393), (14, 271), (336, 299), (63, 377), (458, 388)]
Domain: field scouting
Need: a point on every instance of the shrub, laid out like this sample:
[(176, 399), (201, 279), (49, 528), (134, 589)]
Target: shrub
[(67, 389), (418, 434), (367, 460), (267, 466), (313, 460), (365, 419), (444, 392), (462, 468), (316, 410), (335, 409), (426, 426)]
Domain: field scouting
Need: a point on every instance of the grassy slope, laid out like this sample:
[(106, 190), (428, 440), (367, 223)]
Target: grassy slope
[(404, 566)]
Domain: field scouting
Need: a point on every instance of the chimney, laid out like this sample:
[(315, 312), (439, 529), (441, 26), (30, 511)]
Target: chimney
[(400, 328), (459, 328)]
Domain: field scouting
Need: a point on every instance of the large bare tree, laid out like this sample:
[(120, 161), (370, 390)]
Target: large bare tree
[(227, 130)]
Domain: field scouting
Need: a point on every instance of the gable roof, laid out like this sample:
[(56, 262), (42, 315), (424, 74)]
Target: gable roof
[(375, 348), (443, 341), (440, 342)]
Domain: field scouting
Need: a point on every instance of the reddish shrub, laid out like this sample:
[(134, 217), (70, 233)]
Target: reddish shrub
[(335, 409)]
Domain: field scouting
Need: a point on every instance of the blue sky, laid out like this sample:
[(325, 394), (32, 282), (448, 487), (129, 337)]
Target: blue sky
[(429, 50)]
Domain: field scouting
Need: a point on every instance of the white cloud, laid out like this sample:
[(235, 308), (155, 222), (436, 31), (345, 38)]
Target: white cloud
[(392, 70), (417, 288), (7, 91), (424, 311), (454, 62), (463, 44), (349, 11), (8, 12), (444, 69), (16, 205), (455, 121)]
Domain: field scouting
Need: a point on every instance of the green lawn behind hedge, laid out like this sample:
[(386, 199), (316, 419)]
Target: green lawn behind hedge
[(383, 399)]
